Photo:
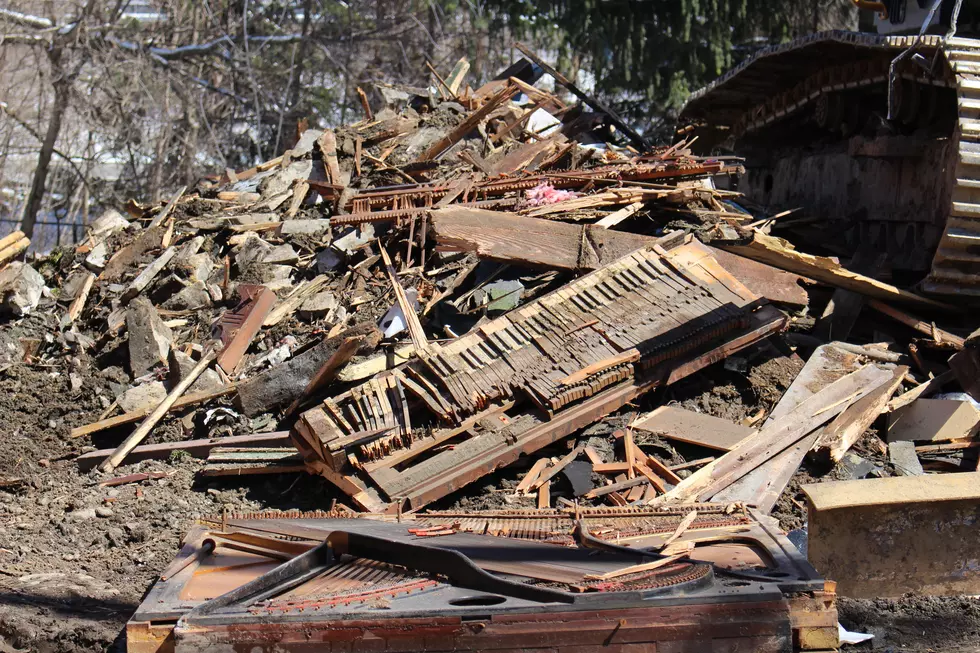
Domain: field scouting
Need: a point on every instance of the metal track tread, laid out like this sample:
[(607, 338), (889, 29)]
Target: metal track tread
[(956, 265)]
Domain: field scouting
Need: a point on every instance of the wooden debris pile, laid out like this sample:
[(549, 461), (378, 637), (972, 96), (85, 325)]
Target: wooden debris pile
[(462, 280)]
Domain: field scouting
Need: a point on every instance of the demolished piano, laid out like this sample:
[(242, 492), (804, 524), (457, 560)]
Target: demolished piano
[(575, 580), (532, 376)]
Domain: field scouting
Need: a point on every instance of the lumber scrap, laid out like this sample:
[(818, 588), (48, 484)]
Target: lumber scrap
[(781, 254), (512, 238), (78, 304), (922, 390), (776, 436), (618, 216), (143, 430), (934, 420), (198, 448), (848, 427), (149, 273), (532, 475), (415, 330), (682, 425), (616, 487), (12, 245), (764, 485), (965, 366), (939, 336)]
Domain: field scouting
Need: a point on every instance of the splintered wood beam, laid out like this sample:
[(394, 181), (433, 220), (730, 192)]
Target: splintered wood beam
[(78, 304), (512, 238), (638, 140), (780, 254), (635, 569), (328, 148), (455, 78), (167, 210), (415, 330), (468, 125), (922, 390), (616, 217), (775, 437), (938, 335)]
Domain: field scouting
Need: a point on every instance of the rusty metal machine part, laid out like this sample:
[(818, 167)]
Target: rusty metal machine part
[(912, 188), (531, 376), (369, 579)]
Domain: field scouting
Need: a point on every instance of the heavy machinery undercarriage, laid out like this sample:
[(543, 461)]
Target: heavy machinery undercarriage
[(876, 136)]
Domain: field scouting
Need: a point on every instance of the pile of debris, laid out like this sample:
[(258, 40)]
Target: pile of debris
[(471, 280)]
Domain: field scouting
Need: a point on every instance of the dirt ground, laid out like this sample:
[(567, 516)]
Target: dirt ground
[(76, 558)]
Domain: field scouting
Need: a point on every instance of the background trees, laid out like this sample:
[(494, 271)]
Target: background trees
[(105, 100)]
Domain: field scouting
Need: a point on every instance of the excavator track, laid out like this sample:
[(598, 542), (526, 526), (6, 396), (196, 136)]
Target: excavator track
[(795, 80), (956, 264)]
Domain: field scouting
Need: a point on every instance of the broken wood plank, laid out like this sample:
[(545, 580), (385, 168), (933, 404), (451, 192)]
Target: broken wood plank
[(78, 304), (199, 448), (135, 478), (655, 481), (544, 495), (682, 425), (328, 149), (922, 390), (143, 430), (938, 335), (635, 569), (167, 210), (934, 420), (681, 528), (616, 217), (12, 245), (415, 330), (848, 427), (149, 273), (616, 487), (779, 253), (775, 437), (454, 80)]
